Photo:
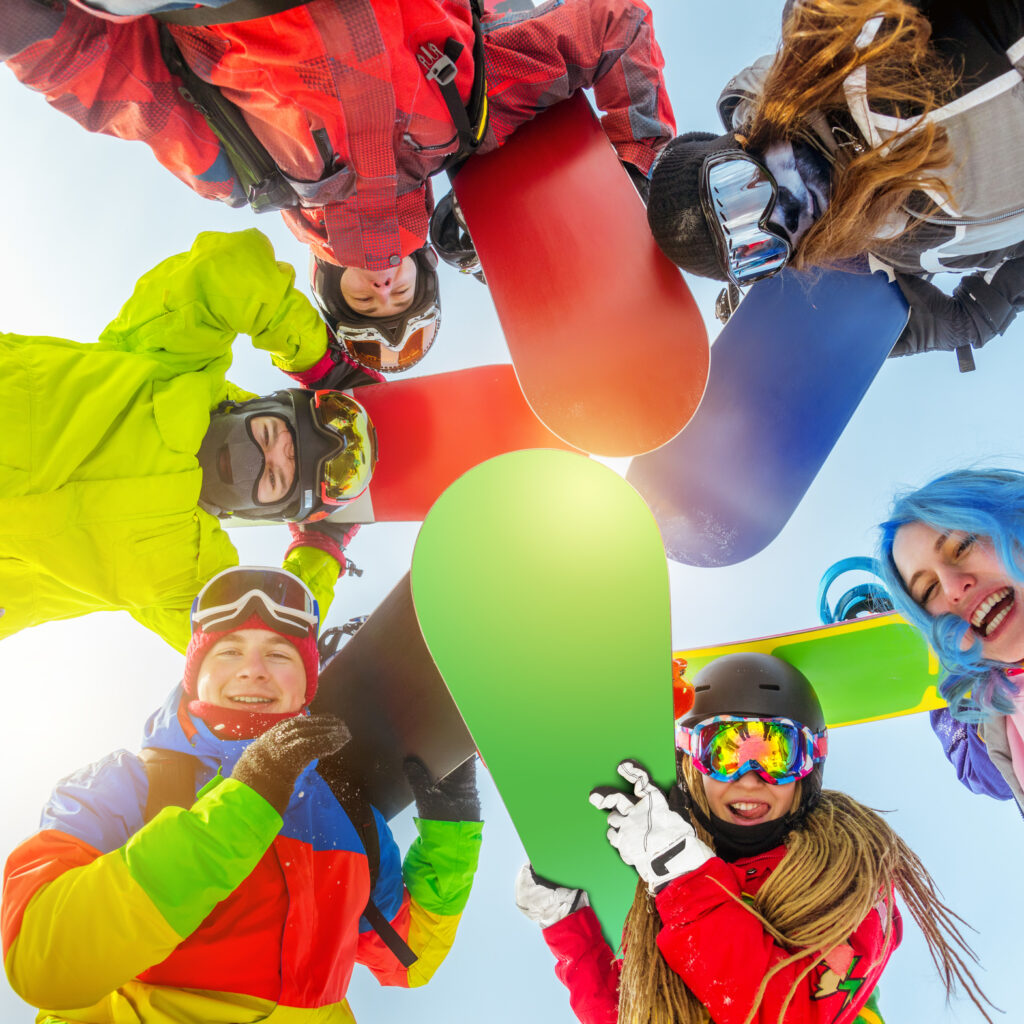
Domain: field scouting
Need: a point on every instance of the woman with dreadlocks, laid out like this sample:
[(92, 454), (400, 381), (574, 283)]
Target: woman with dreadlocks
[(885, 127), (775, 906)]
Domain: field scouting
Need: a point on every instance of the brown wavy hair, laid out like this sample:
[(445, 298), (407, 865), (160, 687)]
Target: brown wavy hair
[(837, 864), (818, 53)]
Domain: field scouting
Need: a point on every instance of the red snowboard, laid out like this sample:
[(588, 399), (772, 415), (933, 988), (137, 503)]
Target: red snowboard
[(431, 429), (608, 344)]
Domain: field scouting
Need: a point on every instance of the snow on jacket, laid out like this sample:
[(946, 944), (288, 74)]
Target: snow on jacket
[(983, 228), (222, 913), (722, 953), (335, 92), (99, 483)]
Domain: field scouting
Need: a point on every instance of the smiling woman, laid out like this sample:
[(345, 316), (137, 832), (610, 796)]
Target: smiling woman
[(764, 873), (952, 557), (879, 127)]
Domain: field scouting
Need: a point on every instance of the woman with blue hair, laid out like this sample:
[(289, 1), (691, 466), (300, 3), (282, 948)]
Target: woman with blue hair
[(952, 557)]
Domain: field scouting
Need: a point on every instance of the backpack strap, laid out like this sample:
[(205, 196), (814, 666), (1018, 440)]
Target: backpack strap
[(439, 66), (265, 187), (172, 779), (355, 805), (234, 10)]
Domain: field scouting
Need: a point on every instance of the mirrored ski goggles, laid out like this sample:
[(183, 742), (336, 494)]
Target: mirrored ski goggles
[(345, 473), (738, 196), (391, 352), (233, 596), (728, 746)]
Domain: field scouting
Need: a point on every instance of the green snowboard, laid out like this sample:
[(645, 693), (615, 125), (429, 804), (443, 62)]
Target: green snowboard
[(865, 669), (541, 586)]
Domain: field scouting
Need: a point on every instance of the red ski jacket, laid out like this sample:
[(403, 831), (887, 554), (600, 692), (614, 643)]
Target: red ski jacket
[(722, 953), (335, 92)]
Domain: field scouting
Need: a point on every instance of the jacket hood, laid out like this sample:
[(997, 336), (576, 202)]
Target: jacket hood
[(171, 727)]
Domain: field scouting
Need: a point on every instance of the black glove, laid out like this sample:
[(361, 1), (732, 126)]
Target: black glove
[(938, 322), (453, 798), (974, 314), (451, 238), (272, 763)]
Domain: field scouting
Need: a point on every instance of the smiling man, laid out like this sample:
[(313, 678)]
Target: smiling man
[(122, 454), (226, 873)]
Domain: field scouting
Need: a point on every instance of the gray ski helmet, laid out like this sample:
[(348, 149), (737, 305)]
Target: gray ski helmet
[(754, 684), (232, 460), (674, 209), (383, 344)]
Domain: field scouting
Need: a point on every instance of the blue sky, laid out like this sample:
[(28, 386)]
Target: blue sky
[(87, 215)]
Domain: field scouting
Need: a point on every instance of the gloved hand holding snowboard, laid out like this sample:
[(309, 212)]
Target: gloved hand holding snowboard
[(654, 839)]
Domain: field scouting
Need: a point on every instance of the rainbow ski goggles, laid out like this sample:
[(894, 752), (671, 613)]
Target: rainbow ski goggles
[(728, 746)]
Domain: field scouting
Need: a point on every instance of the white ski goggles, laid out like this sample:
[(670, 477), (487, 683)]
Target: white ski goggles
[(738, 195), (388, 352), (233, 596)]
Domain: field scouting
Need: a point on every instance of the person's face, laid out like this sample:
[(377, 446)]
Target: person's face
[(253, 670), (278, 447), (748, 800), (380, 293), (804, 183), (951, 572)]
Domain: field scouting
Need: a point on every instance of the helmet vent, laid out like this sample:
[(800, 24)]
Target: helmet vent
[(701, 689), (768, 686)]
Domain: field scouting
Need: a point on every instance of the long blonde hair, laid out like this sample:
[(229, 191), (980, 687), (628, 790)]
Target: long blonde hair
[(819, 52), (837, 865)]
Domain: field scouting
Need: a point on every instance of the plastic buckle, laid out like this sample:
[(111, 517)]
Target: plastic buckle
[(442, 71)]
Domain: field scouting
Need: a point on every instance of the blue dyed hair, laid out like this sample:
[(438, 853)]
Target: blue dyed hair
[(987, 503)]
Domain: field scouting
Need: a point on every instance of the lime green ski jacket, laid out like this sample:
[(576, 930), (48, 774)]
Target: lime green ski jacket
[(99, 480)]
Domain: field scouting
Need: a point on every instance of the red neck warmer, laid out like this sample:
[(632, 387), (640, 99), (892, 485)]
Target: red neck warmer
[(235, 724)]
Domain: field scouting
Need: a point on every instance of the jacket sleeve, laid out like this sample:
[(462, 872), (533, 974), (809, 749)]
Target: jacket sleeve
[(965, 750), (187, 310), (111, 78), (438, 875), (105, 912), (981, 306), (586, 966), (702, 907), (318, 568)]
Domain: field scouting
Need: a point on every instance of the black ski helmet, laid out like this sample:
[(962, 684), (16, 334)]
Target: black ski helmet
[(764, 686), (451, 238), (325, 426), (754, 684), (389, 344)]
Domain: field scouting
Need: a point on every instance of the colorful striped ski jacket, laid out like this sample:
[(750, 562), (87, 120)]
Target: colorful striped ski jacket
[(99, 480), (336, 92), (722, 953), (221, 913)]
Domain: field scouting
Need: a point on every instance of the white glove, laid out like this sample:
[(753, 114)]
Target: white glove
[(543, 901), (659, 843)]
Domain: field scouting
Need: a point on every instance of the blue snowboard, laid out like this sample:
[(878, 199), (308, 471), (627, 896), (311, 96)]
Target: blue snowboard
[(787, 373)]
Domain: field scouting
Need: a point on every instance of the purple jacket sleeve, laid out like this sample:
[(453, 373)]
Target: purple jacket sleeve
[(966, 752)]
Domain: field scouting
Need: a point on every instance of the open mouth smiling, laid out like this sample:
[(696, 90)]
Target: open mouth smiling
[(992, 612)]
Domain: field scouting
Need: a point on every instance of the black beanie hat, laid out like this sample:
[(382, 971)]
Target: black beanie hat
[(674, 210)]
